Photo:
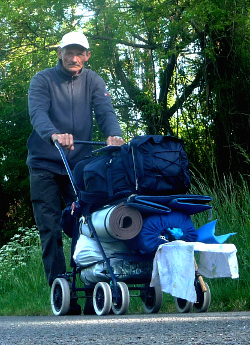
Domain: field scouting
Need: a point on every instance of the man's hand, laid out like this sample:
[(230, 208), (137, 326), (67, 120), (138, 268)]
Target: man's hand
[(65, 140), (116, 141)]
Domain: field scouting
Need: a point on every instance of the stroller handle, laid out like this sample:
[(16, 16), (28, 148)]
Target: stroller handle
[(101, 143), (58, 146)]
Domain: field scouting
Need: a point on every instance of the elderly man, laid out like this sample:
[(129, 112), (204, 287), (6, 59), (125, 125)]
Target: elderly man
[(61, 100)]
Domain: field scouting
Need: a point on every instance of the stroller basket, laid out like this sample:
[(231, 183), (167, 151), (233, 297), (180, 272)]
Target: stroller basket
[(126, 270)]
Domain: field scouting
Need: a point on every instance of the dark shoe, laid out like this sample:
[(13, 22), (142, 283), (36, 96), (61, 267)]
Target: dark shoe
[(75, 308), (89, 308)]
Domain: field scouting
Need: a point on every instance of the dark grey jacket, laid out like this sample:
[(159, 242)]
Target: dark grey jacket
[(60, 103)]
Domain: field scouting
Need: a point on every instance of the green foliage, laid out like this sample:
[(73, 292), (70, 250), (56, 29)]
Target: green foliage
[(18, 251), (21, 275), (23, 286), (29, 34), (231, 209), (171, 67), (184, 67)]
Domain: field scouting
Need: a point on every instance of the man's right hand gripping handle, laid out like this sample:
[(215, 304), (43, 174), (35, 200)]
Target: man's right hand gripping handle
[(65, 140)]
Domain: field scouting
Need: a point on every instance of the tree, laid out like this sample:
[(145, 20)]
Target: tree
[(184, 66), (29, 33), (144, 40), (172, 66)]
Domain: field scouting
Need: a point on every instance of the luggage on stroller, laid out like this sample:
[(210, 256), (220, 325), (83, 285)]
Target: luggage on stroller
[(108, 271), (148, 165)]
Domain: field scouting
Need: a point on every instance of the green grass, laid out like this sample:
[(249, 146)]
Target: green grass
[(24, 290), (231, 207)]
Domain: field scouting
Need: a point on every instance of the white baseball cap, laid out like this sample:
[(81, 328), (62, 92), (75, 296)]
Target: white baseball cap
[(74, 38)]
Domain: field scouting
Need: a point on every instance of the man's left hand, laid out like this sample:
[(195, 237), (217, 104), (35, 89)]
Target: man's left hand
[(116, 141)]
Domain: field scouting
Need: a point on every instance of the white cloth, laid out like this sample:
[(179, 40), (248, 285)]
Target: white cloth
[(89, 258), (217, 260), (87, 251), (174, 269)]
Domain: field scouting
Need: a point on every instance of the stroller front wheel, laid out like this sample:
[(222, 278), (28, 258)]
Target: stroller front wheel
[(102, 298), (60, 296), (122, 305)]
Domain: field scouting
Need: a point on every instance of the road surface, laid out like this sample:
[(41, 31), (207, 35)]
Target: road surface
[(137, 329)]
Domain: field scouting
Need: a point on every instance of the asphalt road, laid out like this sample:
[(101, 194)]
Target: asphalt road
[(140, 329)]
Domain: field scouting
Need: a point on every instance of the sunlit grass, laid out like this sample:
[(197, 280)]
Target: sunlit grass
[(231, 207), (23, 290)]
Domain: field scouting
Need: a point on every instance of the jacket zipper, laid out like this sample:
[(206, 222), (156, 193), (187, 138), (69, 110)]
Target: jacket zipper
[(72, 109)]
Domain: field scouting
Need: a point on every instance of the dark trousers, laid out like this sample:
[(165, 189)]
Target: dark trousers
[(46, 191)]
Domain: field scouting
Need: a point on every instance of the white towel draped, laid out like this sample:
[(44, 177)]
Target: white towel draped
[(174, 269)]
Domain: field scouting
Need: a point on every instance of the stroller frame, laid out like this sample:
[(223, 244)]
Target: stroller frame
[(115, 295)]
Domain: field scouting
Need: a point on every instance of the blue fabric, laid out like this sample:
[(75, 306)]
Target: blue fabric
[(150, 208), (187, 203), (176, 232), (155, 228), (206, 234)]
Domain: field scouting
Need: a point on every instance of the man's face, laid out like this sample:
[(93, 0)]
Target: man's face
[(73, 58)]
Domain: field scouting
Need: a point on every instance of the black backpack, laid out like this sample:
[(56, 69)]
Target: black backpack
[(149, 165)]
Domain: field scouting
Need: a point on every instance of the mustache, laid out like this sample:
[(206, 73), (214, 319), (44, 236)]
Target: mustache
[(73, 64)]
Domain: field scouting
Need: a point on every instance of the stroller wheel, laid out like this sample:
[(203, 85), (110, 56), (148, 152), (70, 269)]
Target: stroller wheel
[(60, 296), (102, 298), (203, 299), (182, 305), (151, 299), (122, 305)]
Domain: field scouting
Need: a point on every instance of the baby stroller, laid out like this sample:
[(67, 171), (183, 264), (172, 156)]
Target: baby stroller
[(131, 270)]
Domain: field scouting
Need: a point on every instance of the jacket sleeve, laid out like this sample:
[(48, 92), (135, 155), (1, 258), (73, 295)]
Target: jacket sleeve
[(104, 110), (39, 103)]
